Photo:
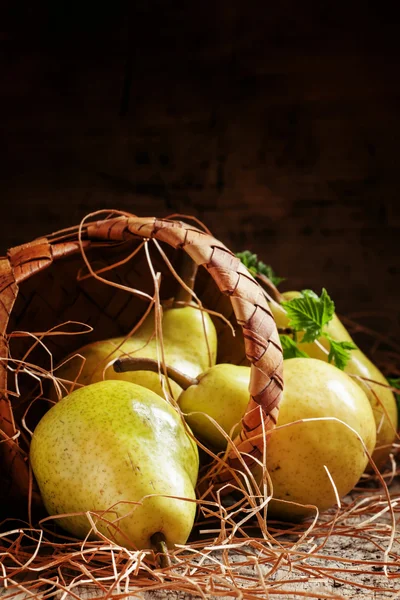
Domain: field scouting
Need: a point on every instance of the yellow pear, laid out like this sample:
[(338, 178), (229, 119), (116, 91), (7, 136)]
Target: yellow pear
[(118, 450), (381, 398), (298, 453), (222, 393), (190, 345)]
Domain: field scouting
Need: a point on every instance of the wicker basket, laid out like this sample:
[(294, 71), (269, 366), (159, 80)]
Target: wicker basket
[(42, 289)]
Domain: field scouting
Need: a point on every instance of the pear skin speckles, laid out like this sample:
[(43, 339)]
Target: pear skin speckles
[(118, 446)]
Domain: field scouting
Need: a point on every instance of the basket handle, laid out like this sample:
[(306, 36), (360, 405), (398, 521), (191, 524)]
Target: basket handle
[(261, 339)]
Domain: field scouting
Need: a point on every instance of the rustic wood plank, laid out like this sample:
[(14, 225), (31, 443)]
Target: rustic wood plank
[(338, 547)]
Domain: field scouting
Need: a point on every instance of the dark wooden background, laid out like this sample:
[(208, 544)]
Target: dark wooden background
[(276, 124)]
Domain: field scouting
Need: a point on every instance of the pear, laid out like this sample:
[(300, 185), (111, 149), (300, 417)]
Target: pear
[(222, 393), (117, 449), (190, 345), (381, 398), (297, 454)]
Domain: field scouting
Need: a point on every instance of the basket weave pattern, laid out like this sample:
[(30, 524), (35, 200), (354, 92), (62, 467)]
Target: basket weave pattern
[(261, 340)]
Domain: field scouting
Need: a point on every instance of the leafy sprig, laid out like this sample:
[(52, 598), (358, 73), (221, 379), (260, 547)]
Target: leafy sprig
[(258, 267), (290, 348), (309, 314), (340, 352)]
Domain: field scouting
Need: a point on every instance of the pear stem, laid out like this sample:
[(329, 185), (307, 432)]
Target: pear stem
[(160, 545), (187, 272), (132, 363), (270, 288)]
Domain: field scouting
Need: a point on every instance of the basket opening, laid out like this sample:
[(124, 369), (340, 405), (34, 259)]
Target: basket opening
[(55, 298)]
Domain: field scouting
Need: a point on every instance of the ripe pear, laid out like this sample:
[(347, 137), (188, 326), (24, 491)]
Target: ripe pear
[(118, 449), (190, 344), (221, 392), (297, 454), (381, 398)]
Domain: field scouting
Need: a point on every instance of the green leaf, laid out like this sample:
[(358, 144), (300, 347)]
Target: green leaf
[(249, 260), (395, 383), (257, 267), (290, 348), (339, 353), (310, 313)]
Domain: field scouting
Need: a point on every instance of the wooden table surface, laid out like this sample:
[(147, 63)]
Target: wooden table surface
[(342, 575)]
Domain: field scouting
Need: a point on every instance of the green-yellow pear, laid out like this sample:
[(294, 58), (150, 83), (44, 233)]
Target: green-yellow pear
[(117, 449), (190, 345), (222, 393), (297, 454), (381, 398)]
